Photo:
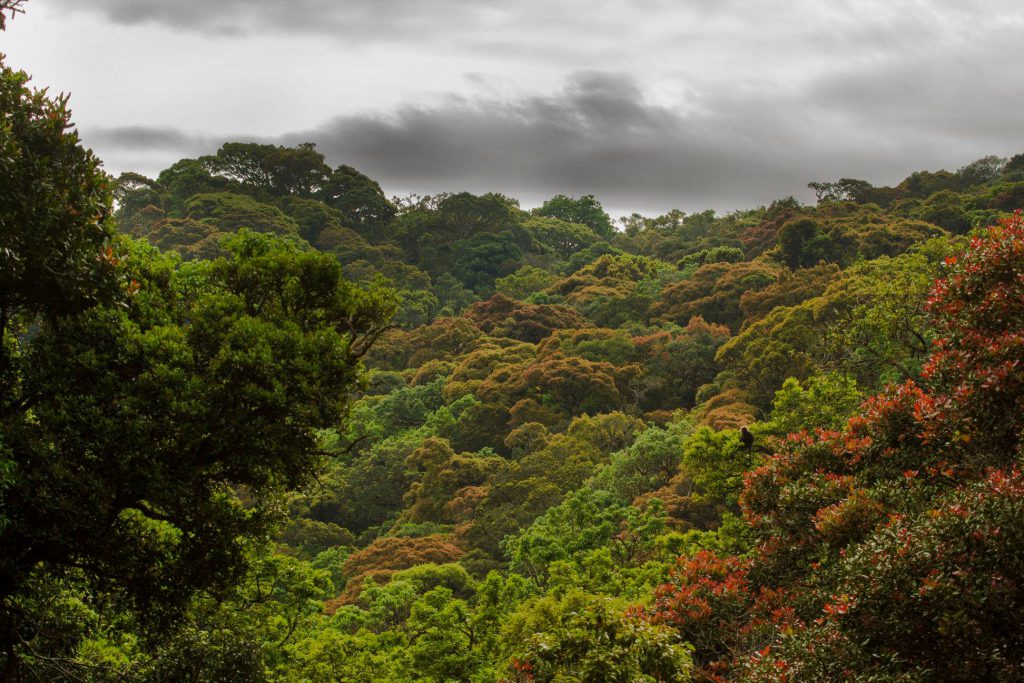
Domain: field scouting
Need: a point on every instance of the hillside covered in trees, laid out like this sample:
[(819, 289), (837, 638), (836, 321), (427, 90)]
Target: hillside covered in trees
[(262, 422)]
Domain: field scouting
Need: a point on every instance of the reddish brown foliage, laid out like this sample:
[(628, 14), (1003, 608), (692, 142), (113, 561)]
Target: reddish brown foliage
[(713, 292), (505, 317), (728, 410), (685, 506), (789, 290), (393, 553)]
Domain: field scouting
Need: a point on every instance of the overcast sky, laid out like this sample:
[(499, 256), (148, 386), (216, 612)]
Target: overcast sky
[(647, 104)]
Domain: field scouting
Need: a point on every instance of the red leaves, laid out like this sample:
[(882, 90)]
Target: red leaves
[(712, 603), (975, 375), (522, 671)]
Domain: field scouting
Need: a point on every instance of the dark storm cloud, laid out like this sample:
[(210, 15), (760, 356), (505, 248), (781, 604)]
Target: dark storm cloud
[(597, 136)]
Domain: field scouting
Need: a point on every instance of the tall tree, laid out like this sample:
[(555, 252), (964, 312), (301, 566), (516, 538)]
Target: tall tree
[(151, 412)]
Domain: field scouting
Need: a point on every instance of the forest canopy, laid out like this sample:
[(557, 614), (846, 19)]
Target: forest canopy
[(260, 421)]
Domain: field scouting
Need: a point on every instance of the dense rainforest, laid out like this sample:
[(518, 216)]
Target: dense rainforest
[(262, 422)]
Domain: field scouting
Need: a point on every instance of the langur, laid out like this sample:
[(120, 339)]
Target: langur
[(746, 438)]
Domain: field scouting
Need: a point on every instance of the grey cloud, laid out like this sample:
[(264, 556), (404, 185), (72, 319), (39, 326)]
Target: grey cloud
[(135, 138), (351, 18), (145, 149), (599, 135)]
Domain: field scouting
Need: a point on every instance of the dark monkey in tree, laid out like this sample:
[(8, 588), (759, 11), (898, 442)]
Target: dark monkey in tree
[(746, 438)]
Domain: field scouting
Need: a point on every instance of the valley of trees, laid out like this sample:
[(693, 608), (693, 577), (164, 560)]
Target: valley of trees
[(258, 421)]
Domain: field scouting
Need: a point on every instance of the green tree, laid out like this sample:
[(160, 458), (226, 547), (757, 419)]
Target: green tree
[(561, 237), (359, 199), (524, 282), (132, 427), (794, 238), (823, 401), (242, 161), (296, 170), (482, 258), (54, 209), (582, 637), (585, 210)]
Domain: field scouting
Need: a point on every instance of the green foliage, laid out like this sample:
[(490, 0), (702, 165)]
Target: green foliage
[(251, 351), (585, 211), (647, 464), (484, 257), (561, 237), (524, 282), (197, 484), (716, 462), (582, 637), (823, 402), (885, 335), (584, 521), (359, 199), (229, 212), (54, 208)]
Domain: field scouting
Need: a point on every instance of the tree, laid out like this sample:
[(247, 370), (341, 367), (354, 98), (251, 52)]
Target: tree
[(981, 170), (483, 257), (649, 463), (54, 209), (229, 212), (583, 637), (712, 604), (296, 170), (891, 541), (585, 210), (464, 215), (359, 199), (713, 292), (563, 238), (12, 6), (845, 189), (576, 384), (794, 238), (389, 554), (502, 316), (586, 520), (444, 473), (244, 162), (132, 428), (524, 282), (824, 401)]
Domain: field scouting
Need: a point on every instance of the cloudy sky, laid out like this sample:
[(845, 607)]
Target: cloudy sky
[(648, 104)]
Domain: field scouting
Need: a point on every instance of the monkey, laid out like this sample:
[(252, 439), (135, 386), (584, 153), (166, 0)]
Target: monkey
[(746, 438)]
